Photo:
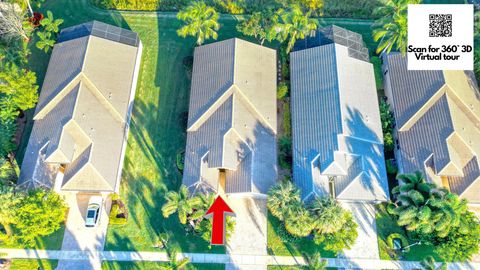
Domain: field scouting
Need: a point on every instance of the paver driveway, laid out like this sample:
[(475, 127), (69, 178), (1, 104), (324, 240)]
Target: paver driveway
[(250, 236), (78, 237), (366, 245)]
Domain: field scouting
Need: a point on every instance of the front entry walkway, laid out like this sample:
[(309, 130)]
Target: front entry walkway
[(250, 236), (366, 245), (77, 237)]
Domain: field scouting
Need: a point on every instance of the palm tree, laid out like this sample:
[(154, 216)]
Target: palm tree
[(391, 29), (298, 220), (45, 42), (173, 263), (425, 208), (180, 202), (200, 20), (328, 215), (51, 24), (261, 25), (315, 262), (294, 24), (280, 197)]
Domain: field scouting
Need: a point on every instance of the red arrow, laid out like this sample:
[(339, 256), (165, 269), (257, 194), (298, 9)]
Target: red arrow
[(218, 210)]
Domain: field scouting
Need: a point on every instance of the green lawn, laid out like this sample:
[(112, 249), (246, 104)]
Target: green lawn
[(109, 265), (387, 225), (51, 242), (25, 264), (157, 130)]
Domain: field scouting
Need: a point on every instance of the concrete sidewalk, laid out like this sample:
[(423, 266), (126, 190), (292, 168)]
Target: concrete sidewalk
[(217, 258)]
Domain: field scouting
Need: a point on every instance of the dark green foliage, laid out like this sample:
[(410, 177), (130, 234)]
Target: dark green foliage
[(477, 64), (426, 209), (391, 166), (361, 9), (388, 122), (180, 160), (436, 217), (285, 152), (377, 68), (286, 236), (7, 131), (463, 241), (287, 120)]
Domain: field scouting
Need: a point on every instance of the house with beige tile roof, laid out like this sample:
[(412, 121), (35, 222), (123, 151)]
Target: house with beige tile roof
[(232, 119), (337, 136), (81, 121), (437, 115)]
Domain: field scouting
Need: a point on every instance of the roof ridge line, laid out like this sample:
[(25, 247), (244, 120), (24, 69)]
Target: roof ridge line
[(459, 102), (219, 102), (58, 97), (424, 109), (250, 106), (101, 98)]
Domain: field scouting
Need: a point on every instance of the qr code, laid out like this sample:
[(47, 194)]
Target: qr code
[(440, 25)]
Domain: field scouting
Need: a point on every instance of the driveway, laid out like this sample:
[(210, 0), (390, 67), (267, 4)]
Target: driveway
[(250, 236), (366, 245), (80, 238)]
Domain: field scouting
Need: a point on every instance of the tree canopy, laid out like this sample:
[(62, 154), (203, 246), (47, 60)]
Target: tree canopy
[(31, 214), (391, 29), (201, 21)]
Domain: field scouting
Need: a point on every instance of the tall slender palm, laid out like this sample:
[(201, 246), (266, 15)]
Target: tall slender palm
[(328, 215), (294, 24), (280, 197), (391, 28), (200, 20), (180, 202)]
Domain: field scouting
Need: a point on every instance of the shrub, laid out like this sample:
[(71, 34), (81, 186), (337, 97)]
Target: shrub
[(118, 212), (388, 121), (403, 241), (285, 153), (180, 160), (282, 90), (391, 166), (286, 236), (287, 120), (231, 6), (117, 217)]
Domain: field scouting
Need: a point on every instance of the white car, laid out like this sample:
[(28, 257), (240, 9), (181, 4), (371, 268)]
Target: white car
[(92, 218)]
